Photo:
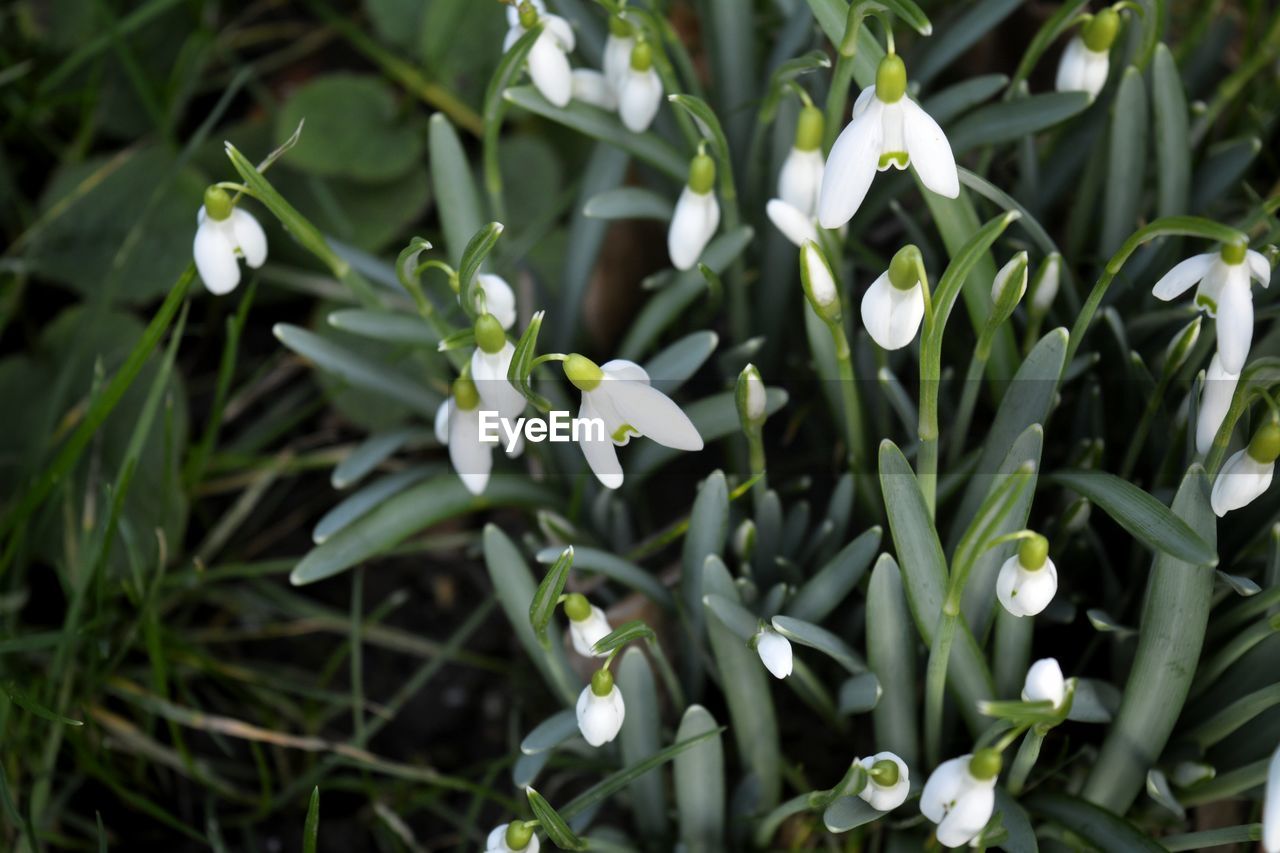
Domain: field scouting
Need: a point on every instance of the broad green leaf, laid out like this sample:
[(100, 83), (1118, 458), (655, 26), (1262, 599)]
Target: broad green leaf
[(825, 591), (739, 620), (369, 454), (849, 813), (387, 326), (555, 826), (640, 738), (1021, 837), (408, 512), (708, 531), (1126, 162), (587, 559), (671, 368), (960, 33), (359, 503), (628, 203), (1103, 829), (861, 694), (891, 645), (550, 733), (817, 637), (1173, 151), (959, 98), (1144, 517), (700, 784), (545, 599), (459, 201), (1009, 121), (1223, 168)]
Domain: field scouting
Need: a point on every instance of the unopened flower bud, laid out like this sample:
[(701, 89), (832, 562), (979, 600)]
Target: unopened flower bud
[(750, 397)]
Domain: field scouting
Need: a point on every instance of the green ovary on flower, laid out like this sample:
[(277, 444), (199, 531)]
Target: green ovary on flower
[(465, 395), (528, 15), (891, 79), (885, 773), (1100, 31), (641, 57), (576, 607), (602, 682), (702, 174), (1233, 253), (809, 129), (1265, 445), (584, 373), (217, 203), (489, 335), (985, 764), (1033, 552), (904, 269), (518, 835)]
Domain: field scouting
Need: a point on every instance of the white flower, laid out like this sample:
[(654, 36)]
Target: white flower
[(1247, 473), (548, 58), (1002, 278), (490, 363), (794, 225), (879, 795), (587, 625), (959, 802), (600, 709), (775, 652), (495, 296), (893, 306), (1046, 284), (1081, 69), (696, 217), (754, 399), (800, 181), (819, 283), (1044, 682), (888, 129), (1224, 293), (458, 428), (617, 52), (222, 232), (591, 87), (1271, 807), (794, 212), (1215, 400), (1028, 580), (618, 394), (639, 90), (497, 842)]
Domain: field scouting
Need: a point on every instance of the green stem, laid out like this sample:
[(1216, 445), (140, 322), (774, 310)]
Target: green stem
[(968, 402), (927, 472), (936, 679), (1144, 426), (1028, 752), (837, 97), (668, 675), (849, 396)]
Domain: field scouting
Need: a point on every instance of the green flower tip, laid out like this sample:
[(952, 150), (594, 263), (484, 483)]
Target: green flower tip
[(528, 14), (519, 834), (809, 129), (1100, 31), (1232, 253), (891, 79), (1033, 552), (576, 607), (985, 764), (602, 682), (702, 173), (904, 269), (620, 27), (641, 56), (217, 204), (1265, 446), (885, 773), (584, 373), (489, 335), (465, 395)]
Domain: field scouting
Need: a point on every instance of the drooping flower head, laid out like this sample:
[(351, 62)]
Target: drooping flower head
[(494, 296), (458, 428), (587, 625), (548, 58), (697, 214), (893, 306), (959, 796), (490, 363), (1044, 683), (600, 709), (592, 87), (1224, 293), (617, 51), (1215, 401), (225, 232), (618, 394), (1247, 474), (775, 652), (888, 781), (888, 129), (1028, 580), (514, 837), (639, 90), (1087, 58)]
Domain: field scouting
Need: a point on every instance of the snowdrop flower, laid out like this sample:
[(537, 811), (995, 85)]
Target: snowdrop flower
[(795, 209), (617, 51), (697, 214), (893, 306), (1044, 289), (591, 87), (1028, 580), (587, 625), (1086, 60), (618, 394), (1215, 400), (1224, 292), (1044, 682), (600, 709), (888, 782), (750, 396), (458, 428), (819, 282), (1247, 473), (494, 296), (223, 231), (512, 837), (960, 796), (775, 652), (888, 129), (1005, 279), (640, 92), (548, 58), (1271, 807), (489, 365)]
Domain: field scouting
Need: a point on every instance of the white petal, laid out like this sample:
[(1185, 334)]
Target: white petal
[(1047, 289), (863, 101), (639, 96), (1235, 322), (967, 818), (621, 368), (1071, 67), (512, 36), (600, 717), (1044, 682), (471, 459), (793, 223), (653, 414), (1258, 267), (1271, 807), (929, 150), (1097, 64), (800, 180), (945, 784), (442, 422), (822, 285), (1034, 590), (249, 236), (215, 258), (560, 30), (499, 298), (1240, 482), (588, 632), (592, 87), (1177, 280), (882, 798), (497, 840), (549, 70), (1006, 586), (617, 59), (775, 653), (696, 217), (851, 166), (1215, 401), (1002, 277), (489, 372), (601, 455), (892, 316)]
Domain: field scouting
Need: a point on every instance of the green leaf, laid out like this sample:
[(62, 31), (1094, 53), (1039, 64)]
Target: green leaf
[(628, 203), (543, 606), (1173, 150), (739, 620), (520, 372), (390, 327), (26, 703), (1055, 25), (406, 513), (817, 637), (639, 739), (825, 591), (891, 645), (473, 256), (708, 531), (1009, 121), (861, 694), (647, 147), (1101, 828), (629, 632), (587, 559), (311, 828), (1021, 836), (1144, 517), (960, 33), (557, 830), (788, 71), (700, 783), (359, 503), (671, 368), (459, 201), (551, 732), (849, 813), (1126, 162), (959, 98)]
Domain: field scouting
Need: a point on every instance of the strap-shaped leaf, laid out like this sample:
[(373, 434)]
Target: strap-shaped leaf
[(817, 637), (1103, 829), (628, 632), (556, 828), (473, 256), (543, 606)]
